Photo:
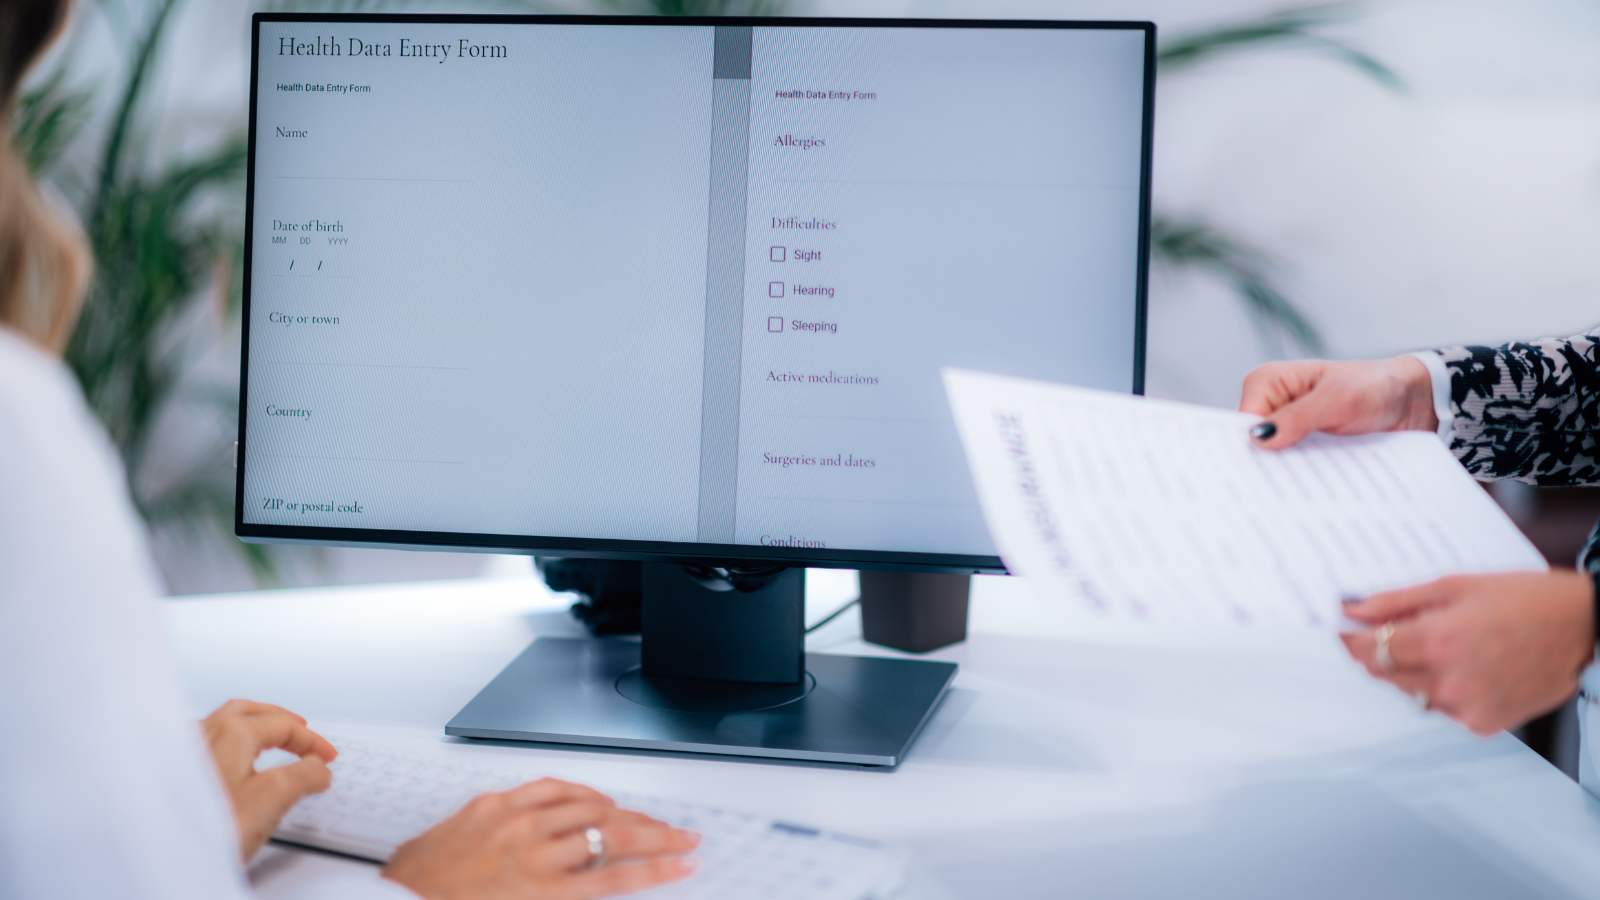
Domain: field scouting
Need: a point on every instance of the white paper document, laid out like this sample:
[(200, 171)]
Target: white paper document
[(1165, 512)]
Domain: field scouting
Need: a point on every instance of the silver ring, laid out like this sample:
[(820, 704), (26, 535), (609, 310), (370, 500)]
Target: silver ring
[(597, 846), (1381, 649)]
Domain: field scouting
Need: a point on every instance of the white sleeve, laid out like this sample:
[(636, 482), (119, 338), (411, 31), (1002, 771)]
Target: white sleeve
[(1440, 377), (106, 786)]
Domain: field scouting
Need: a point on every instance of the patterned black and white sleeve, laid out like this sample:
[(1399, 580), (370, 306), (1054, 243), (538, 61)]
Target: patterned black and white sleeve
[(1528, 411)]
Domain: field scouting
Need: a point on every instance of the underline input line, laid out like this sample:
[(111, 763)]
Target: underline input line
[(280, 362), (879, 502), (430, 462), (975, 184), (860, 419), (362, 178)]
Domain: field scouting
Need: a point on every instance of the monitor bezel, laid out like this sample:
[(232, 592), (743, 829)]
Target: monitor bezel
[(655, 551)]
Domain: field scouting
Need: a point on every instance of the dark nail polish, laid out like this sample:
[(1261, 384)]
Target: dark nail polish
[(1264, 431), (1351, 600)]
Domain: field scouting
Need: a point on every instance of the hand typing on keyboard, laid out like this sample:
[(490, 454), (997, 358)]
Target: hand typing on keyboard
[(237, 733), (531, 839)]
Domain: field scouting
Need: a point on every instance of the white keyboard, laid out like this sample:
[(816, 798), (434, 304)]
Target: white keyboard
[(382, 797)]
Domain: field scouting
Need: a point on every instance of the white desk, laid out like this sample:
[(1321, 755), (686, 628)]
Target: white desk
[(1072, 758)]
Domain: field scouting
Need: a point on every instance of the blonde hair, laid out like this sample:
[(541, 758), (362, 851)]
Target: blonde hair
[(44, 259)]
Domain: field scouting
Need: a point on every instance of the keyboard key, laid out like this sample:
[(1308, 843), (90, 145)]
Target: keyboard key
[(310, 820), (398, 766), (361, 776), (382, 796), (405, 799), (370, 812), (438, 809), (373, 832)]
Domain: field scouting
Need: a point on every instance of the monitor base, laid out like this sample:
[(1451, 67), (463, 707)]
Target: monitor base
[(862, 710)]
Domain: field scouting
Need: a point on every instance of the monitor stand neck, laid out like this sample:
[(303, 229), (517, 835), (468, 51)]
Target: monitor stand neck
[(720, 640), (723, 624)]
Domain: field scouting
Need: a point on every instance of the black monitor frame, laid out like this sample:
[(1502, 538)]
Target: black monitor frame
[(727, 555)]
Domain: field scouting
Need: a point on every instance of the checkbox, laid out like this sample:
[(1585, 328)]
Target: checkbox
[(778, 254), (774, 289), (774, 323)]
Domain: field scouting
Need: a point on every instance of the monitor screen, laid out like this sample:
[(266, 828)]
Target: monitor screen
[(673, 288)]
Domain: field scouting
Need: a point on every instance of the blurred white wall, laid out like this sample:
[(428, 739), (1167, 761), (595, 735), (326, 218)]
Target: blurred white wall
[(1466, 209)]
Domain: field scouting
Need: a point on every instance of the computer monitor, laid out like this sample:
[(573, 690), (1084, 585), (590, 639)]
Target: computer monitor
[(677, 291)]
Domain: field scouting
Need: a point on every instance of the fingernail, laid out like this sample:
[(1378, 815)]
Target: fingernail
[(1264, 431), (1351, 600)]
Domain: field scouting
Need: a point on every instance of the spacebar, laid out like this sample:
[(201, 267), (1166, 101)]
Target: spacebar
[(375, 833)]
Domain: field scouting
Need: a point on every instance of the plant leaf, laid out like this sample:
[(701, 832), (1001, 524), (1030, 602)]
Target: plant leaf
[(1291, 28), (1194, 244), (111, 160), (49, 118), (152, 258)]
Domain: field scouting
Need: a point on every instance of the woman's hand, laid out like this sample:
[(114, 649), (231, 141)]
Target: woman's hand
[(238, 732), (529, 842), (1362, 397), (1492, 651)]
